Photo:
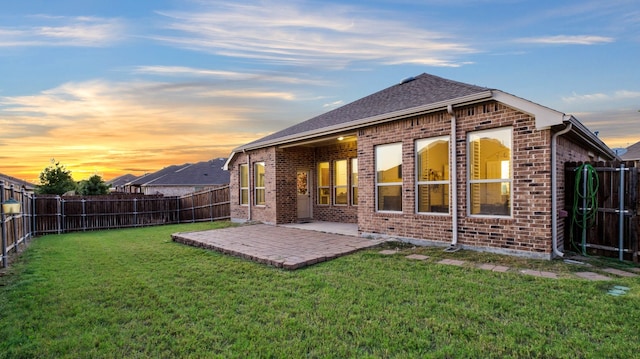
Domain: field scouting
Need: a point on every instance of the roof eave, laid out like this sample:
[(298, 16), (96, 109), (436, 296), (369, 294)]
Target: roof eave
[(544, 116), (373, 120), (589, 137)]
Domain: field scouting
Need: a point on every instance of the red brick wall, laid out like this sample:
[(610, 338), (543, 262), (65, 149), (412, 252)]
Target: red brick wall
[(286, 162), (266, 213), (530, 227)]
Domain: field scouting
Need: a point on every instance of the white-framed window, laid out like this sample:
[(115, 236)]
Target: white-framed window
[(324, 183), (259, 187), (244, 184), (490, 176), (389, 177), (340, 183), (354, 181), (432, 175)]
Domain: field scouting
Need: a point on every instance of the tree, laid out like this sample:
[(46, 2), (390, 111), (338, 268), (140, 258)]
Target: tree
[(55, 179), (93, 186)]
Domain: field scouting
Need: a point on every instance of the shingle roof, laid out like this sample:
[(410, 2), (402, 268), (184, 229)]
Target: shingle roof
[(195, 174), (633, 153), (121, 180), (9, 180), (417, 91), (150, 177)]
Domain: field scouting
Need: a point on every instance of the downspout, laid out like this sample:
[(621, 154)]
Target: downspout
[(248, 184), (554, 190), (453, 174)]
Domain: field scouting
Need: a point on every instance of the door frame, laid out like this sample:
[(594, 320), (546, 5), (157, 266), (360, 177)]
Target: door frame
[(309, 193)]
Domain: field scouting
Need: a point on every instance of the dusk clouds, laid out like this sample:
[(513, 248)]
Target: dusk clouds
[(149, 84)]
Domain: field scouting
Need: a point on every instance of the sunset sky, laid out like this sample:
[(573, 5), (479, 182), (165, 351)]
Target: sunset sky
[(111, 87)]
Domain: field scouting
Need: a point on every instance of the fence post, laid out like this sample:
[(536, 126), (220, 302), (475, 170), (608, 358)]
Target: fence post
[(24, 215), (16, 242), (178, 201), (193, 208), (621, 214), (211, 203), (4, 229), (84, 215), (32, 222), (60, 214), (584, 211), (633, 205), (135, 212)]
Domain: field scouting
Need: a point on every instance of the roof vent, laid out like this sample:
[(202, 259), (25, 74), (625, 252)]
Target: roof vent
[(408, 79)]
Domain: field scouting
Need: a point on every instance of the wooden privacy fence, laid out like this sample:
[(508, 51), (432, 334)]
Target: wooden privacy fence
[(16, 228), (55, 214), (45, 214), (602, 201)]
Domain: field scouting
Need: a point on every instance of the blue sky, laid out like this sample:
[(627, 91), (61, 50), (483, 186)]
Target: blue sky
[(114, 87)]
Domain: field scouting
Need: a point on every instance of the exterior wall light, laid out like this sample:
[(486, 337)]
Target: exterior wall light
[(11, 206)]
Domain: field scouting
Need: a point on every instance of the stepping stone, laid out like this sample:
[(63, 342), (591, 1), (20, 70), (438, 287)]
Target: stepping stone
[(537, 273), (453, 262), (618, 290), (419, 257), (592, 276), (501, 269), (387, 252), (619, 272), (493, 267)]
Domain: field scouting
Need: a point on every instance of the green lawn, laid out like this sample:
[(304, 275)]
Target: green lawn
[(134, 293)]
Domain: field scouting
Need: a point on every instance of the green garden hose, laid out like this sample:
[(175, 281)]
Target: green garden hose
[(585, 200)]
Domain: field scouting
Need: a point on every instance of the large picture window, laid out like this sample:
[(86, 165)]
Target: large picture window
[(258, 173), (432, 175), (389, 177), (324, 185), (340, 184), (489, 167), (354, 181), (244, 184)]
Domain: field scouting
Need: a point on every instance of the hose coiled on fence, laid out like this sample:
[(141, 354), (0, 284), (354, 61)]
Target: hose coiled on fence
[(585, 205)]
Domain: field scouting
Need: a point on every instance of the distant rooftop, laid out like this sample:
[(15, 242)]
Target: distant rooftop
[(633, 153), (189, 174)]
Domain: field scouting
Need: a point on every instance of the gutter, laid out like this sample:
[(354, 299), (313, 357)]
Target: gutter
[(554, 190), (453, 175)]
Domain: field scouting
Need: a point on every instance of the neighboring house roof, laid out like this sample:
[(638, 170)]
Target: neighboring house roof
[(150, 177), (414, 96), (121, 180), (633, 153), (9, 180), (205, 173)]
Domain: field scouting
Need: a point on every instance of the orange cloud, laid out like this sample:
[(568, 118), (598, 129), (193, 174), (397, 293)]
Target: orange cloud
[(106, 128)]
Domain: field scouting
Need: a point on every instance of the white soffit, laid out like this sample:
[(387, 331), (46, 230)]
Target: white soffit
[(544, 116)]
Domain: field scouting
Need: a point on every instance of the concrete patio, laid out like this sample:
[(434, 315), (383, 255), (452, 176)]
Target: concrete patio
[(288, 246)]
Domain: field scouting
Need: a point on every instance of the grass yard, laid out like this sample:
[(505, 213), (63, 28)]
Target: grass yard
[(135, 294)]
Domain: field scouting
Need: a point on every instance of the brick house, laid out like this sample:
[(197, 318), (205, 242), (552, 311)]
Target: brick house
[(388, 162)]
